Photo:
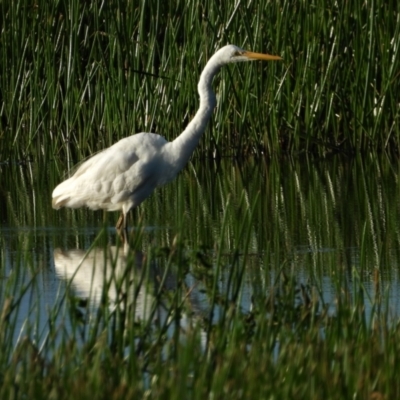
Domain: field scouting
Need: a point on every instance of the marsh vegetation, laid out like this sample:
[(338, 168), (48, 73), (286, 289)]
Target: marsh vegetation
[(268, 269)]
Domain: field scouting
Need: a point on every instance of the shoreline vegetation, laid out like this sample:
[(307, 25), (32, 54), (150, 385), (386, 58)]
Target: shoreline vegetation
[(75, 77)]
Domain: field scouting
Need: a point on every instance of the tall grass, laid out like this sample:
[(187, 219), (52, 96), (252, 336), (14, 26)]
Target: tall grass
[(75, 77), (287, 341), (279, 285), (257, 243)]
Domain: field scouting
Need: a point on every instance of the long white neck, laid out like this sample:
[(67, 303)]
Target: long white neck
[(186, 142)]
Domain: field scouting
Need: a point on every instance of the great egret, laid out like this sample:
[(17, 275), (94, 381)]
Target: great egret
[(125, 174)]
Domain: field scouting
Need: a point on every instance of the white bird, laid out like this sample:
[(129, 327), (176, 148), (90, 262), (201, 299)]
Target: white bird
[(125, 174)]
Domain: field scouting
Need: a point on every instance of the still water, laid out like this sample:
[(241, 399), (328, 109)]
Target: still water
[(330, 225)]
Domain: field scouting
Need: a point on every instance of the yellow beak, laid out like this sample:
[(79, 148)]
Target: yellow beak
[(260, 56)]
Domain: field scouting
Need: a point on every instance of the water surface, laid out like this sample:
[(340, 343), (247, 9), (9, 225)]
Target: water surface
[(330, 225)]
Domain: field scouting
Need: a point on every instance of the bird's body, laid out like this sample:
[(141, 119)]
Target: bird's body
[(98, 186), (125, 174)]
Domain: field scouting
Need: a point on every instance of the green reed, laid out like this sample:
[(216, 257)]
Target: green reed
[(288, 343), (258, 252), (77, 77)]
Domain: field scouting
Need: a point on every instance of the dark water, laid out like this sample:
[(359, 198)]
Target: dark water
[(332, 226)]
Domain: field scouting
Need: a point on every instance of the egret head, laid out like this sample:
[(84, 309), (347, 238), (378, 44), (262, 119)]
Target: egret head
[(231, 53)]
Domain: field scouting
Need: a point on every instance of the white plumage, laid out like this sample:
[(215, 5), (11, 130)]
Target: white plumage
[(125, 174)]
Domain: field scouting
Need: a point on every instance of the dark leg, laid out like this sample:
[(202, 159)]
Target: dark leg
[(121, 222), (125, 225)]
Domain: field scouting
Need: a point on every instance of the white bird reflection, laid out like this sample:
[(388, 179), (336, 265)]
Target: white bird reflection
[(135, 288), (127, 279), (122, 275)]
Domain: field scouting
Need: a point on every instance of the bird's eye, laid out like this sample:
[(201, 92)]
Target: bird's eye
[(238, 53)]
